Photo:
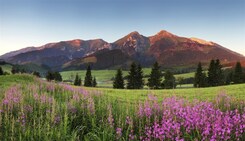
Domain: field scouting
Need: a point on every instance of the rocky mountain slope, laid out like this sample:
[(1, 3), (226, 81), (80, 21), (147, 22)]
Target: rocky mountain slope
[(166, 48)]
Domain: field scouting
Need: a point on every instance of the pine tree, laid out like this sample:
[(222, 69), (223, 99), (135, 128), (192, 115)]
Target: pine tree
[(229, 78), (57, 77), (79, 82), (1, 71), (94, 82), (139, 77), (212, 73), (15, 69), (118, 82), (238, 74), (219, 79), (169, 81), (50, 76), (154, 82), (200, 77), (37, 74), (88, 81), (76, 81), (131, 78)]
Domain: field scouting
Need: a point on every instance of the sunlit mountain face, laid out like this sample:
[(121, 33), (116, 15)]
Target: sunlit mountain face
[(166, 48)]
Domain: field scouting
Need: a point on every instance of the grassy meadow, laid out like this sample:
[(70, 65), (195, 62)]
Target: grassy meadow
[(33, 109), (104, 77)]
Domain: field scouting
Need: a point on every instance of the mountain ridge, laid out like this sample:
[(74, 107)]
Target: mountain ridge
[(166, 48)]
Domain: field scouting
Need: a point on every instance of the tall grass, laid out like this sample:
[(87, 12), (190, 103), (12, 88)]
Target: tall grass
[(49, 111)]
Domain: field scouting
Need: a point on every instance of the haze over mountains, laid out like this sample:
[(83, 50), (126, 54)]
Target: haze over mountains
[(166, 48)]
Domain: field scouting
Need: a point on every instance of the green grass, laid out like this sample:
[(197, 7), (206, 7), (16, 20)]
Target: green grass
[(185, 75), (6, 68), (104, 77), (8, 80), (209, 93)]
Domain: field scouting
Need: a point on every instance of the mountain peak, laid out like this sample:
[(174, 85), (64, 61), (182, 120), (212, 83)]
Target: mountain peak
[(134, 33), (165, 33)]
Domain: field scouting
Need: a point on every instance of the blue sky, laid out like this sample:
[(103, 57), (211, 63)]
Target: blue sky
[(36, 22)]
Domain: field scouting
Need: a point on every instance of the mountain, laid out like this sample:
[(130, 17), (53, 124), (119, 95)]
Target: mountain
[(168, 49), (14, 53), (172, 50), (54, 55)]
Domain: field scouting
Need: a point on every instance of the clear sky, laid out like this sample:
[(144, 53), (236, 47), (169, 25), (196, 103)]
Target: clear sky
[(26, 23)]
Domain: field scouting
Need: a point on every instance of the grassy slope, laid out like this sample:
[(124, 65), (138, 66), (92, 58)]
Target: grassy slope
[(210, 93), (8, 80), (237, 91)]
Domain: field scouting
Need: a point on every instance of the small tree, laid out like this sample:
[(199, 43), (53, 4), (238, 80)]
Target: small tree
[(1, 71), (118, 82), (77, 81), (131, 78), (57, 77), (154, 82), (139, 77), (88, 81), (15, 69), (238, 74), (50, 76), (37, 74), (169, 81), (94, 82), (200, 77)]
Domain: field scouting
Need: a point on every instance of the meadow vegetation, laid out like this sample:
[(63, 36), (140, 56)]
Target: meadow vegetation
[(33, 109)]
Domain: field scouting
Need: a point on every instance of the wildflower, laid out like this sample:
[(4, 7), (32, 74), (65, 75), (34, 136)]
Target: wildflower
[(110, 116), (90, 105), (119, 132)]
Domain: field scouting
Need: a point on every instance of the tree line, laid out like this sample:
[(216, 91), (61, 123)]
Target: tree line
[(216, 75), (135, 78)]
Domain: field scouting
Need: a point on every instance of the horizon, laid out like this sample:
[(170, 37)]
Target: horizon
[(36, 23)]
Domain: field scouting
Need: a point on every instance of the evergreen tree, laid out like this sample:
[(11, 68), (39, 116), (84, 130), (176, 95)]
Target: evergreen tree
[(118, 82), (219, 79), (169, 81), (1, 71), (77, 81), (50, 76), (229, 78), (22, 71), (94, 82), (200, 77), (215, 73), (131, 78), (212, 73), (57, 77), (15, 69), (37, 74), (139, 77), (88, 81), (154, 82), (238, 74)]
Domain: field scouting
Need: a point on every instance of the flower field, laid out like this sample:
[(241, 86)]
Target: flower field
[(38, 110)]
